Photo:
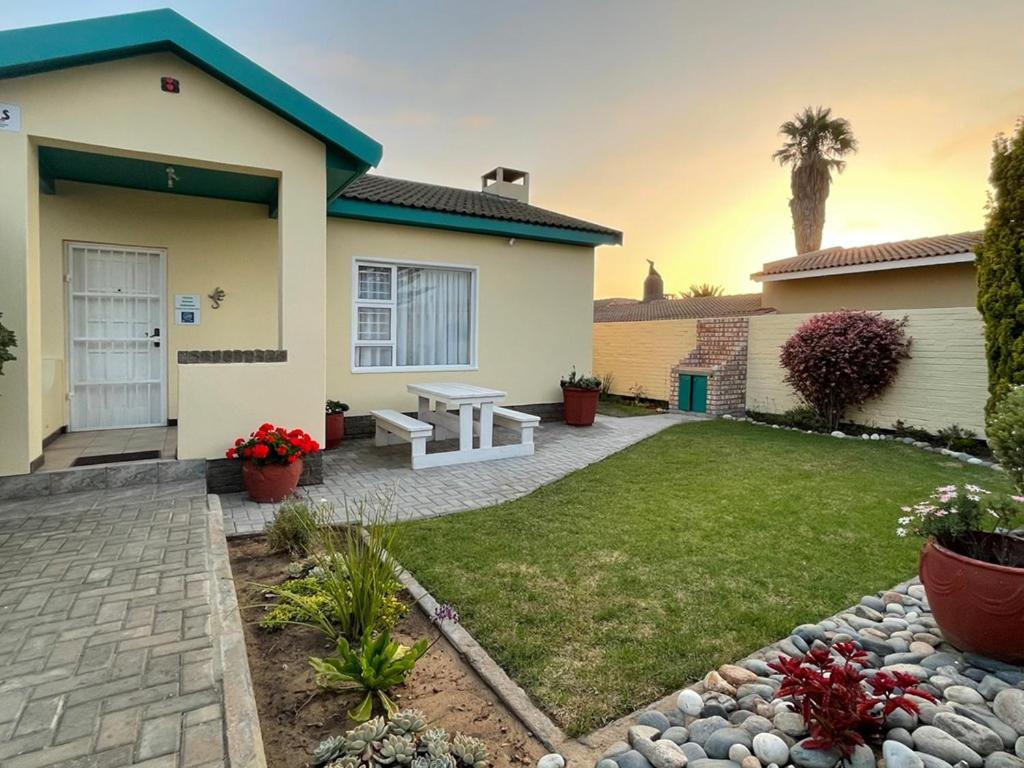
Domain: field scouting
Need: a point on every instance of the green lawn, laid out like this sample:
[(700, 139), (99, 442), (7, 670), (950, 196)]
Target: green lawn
[(623, 581)]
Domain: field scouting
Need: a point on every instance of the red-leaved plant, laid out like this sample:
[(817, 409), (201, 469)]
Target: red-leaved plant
[(841, 359), (838, 704), (273, 445)]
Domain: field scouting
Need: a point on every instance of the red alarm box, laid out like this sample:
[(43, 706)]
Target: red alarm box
[(170, 85)]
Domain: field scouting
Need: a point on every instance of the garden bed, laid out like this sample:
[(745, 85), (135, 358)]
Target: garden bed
[(295, 715)]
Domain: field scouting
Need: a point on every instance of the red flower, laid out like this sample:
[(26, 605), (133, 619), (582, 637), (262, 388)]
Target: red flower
[(260, 451), (282, 450), (293, 458), (230, 453), (239, 442), (266, 427), (247, 453)]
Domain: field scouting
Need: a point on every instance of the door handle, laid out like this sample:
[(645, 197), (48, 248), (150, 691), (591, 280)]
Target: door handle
[(155, 335)]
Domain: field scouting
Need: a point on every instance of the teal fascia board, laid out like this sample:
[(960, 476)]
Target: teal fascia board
[(74, 43), (418, 217)]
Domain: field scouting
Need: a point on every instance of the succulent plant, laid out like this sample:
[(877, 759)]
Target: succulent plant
[(430, 761), (346, 761), (327, 750), (408, 721), (364, 740), (396, 750), (435, 743), (471, 752)]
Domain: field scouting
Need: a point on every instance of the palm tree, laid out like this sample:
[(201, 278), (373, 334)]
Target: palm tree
[(815, 143), (704, 290)]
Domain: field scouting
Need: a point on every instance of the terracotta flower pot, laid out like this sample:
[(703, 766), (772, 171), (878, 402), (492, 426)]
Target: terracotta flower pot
[(580, 406), (335, 429), (978, 606), (271, 482)]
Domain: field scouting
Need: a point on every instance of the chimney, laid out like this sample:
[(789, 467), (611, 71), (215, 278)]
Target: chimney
[(506, 182), (654, 286)]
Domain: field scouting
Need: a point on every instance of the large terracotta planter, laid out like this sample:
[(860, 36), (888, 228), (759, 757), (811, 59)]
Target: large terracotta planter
[(335, 430), (580, 406), (271, 482), (978, 606)]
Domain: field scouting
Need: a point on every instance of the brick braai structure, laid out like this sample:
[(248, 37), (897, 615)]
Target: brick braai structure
[(721, 355)]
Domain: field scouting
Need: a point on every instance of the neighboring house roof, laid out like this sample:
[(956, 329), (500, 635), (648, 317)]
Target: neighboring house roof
[(57, 46), (381, 198), (631, 310), (921, 252)]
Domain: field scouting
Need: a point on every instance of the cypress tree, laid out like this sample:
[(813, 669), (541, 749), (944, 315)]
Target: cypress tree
[(1001, 268)]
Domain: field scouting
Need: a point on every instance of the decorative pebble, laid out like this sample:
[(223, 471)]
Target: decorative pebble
[(809, 757), (676, 733), (631, 759), (1003, 760), (654, 719), (689, 702), (738, 753), (937, 742), (750, 762), (769, 748), (1009, 707), (693, 752), (982, 740), (899, 755), (961, 694), (701, 729), (736, 675), (554, 760), (721, 741)]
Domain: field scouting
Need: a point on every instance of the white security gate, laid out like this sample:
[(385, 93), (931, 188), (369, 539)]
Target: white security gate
[(115, 330)]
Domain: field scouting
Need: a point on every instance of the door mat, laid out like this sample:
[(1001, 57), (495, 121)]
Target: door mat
[(115, 458)]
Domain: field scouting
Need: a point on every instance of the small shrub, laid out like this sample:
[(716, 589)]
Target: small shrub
[(8, 341), (402, 741), (902, 429), (304, 601), (294, 527), (638, 392), (802, 417), (1005, 432), (838, 704), (839, 360), (606, 383), (379, 665), (580, 381), (956, 438), (335, 406)]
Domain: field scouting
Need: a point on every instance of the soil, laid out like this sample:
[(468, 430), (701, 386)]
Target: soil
[(295, 715)]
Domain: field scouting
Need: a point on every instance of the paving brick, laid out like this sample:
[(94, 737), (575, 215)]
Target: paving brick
[(159, 736), (118, 728), (77, 722)]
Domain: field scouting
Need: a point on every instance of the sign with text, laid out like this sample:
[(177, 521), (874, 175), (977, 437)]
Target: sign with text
[(10, 117), (186, 301)]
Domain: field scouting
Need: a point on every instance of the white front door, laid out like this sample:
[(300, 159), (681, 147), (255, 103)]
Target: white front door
[(117, 368)]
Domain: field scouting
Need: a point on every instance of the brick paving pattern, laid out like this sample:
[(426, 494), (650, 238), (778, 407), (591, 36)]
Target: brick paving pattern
[(106, 652), (358, 468)]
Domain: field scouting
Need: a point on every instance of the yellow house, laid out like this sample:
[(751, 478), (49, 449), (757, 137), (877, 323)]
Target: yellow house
[(185, 239)]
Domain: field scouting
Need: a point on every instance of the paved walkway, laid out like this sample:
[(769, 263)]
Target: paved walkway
[(107, 657), (359, 467)]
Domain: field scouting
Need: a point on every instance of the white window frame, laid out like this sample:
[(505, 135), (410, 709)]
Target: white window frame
[(394, 264)]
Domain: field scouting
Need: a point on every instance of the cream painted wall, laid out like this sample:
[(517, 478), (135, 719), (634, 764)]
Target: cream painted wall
[(536, 304), (118, 107), (209, 243), (945, 382), (945, 285), (642, 353)]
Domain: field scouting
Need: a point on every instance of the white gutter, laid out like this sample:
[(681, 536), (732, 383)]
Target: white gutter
[(878, 266)]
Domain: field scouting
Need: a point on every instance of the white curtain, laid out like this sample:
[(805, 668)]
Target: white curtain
[(434, 308)]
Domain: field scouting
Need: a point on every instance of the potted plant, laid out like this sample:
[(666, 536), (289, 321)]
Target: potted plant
[(580, 395), (972, 568), (335, 418), (272, 461)]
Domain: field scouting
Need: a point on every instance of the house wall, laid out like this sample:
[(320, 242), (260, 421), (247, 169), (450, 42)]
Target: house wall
[(535, 309), (945, 382), (209, 243), (642, 353), (117, 107), (945, 285)]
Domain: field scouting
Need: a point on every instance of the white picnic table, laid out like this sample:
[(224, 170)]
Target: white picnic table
[(475, 406)]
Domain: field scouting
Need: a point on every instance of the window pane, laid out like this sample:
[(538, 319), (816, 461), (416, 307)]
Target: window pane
[(374, 324), (434, 313), (375, 283), (373, 357)]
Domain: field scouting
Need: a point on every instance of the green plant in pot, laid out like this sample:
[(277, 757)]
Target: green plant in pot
[(972, 563), (580, 394), (335, 428), (8, 341)]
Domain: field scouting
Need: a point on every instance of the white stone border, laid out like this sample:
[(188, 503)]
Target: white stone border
[(966, 458), (241, 717)]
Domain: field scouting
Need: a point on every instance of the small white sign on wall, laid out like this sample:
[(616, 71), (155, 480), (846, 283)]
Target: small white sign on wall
[(186, 301), (10, 118)]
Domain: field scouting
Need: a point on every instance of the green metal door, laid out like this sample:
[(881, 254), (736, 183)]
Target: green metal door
[(699, 398), (685, 387)]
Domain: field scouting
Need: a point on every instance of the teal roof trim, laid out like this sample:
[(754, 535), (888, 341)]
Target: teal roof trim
[(417, 217), (57, 46)]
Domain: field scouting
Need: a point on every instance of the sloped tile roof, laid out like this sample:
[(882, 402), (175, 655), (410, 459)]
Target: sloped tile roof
[(631, 310), (829, 258), (432, 197)]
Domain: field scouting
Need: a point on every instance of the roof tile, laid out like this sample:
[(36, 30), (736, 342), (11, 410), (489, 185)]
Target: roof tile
[(631, 310)]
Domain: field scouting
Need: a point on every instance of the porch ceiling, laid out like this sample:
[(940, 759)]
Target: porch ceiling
[(111, 170)]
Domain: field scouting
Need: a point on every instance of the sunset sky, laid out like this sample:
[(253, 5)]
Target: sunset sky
[(655, 118)]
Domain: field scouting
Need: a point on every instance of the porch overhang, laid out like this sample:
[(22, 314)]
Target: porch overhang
[(57, 163), (29, 51)]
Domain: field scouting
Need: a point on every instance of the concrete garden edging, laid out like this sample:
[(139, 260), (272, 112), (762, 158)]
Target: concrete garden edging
[(241, 717)]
